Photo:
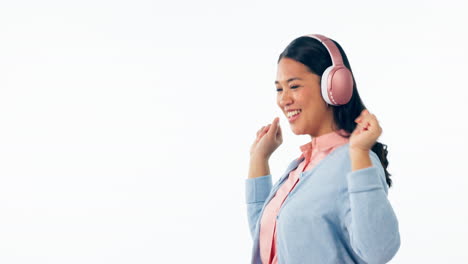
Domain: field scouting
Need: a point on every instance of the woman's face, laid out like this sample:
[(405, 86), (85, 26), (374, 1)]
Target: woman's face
[(302, 92)]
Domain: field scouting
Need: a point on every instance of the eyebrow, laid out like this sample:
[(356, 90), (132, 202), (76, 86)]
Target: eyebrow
[(290, 79)]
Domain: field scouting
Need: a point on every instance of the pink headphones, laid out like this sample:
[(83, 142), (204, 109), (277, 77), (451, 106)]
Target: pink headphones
[(337, 80)]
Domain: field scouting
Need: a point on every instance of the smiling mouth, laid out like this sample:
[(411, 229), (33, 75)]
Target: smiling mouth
[(294, 116), (293, 113)]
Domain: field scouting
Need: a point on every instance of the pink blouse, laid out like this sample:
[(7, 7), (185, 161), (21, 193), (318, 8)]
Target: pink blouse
[(314, 152)]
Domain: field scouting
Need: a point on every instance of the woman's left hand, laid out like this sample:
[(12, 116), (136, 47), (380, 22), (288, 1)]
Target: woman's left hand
[(366, 132)]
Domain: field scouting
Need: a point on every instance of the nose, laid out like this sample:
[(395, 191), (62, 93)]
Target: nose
[(285, 98)]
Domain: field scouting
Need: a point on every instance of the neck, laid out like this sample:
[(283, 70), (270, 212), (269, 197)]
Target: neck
[(326, 127)]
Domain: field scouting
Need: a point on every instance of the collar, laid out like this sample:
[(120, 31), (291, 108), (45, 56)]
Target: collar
[(324, 142)]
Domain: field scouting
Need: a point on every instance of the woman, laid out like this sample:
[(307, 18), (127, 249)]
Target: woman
[(330, 206)]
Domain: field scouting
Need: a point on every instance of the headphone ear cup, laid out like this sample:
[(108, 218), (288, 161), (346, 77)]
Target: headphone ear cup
[(342, 85), (337, 85)]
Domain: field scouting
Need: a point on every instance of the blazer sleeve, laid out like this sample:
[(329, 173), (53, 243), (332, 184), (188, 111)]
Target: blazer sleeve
[(369, 218), (256, 191)]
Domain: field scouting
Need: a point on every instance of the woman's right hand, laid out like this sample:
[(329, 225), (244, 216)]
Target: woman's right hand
[(268, 139)]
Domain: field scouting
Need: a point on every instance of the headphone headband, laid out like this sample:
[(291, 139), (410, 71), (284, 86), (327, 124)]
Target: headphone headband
[(331, 47)]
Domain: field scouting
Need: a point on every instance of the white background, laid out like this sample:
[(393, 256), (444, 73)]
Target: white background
[(125, 126)]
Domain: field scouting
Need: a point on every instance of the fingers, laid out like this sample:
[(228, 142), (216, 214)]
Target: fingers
[(260, 130), (363, 114), (363, 117), (367, 120), (274, 127)]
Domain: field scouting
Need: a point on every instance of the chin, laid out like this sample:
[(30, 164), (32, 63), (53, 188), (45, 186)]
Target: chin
[(297, 131)]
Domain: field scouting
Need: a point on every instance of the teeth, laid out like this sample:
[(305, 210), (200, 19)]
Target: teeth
[(293, 113)]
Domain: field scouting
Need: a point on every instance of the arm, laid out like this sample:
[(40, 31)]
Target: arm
[(258, 167), (360, 159), (370, 219), (257, 188)]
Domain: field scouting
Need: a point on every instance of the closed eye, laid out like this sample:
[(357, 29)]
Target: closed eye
[(292, 87)]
